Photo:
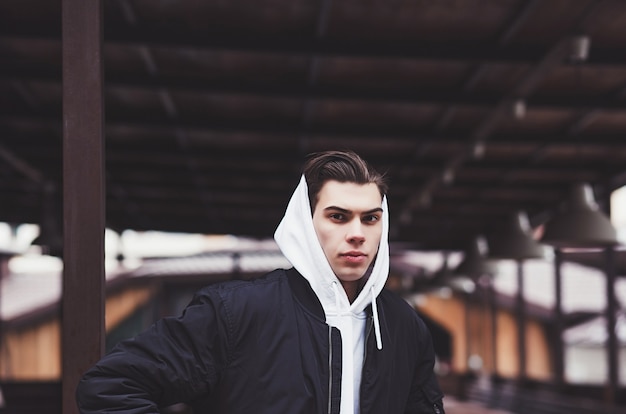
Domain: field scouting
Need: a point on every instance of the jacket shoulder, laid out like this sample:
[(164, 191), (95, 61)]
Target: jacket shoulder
[(238, 288), (241, 303), (399, 311), (392, 300)]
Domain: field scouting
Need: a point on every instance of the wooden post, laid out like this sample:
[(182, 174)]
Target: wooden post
[(521, 321), (494, 326), (466, 378), (611, 323), (559, 352), (83, 194)]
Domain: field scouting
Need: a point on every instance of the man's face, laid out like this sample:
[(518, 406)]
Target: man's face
[(348, 223)]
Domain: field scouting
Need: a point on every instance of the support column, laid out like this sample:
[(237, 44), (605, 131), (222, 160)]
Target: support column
[(611, 322), (494, 327), (612, 351), (559, 352), (468, 331), (466, 378), (83, 194), (495, 382), (521, 321)]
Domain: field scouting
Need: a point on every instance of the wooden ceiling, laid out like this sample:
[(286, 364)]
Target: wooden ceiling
[(475, 109)]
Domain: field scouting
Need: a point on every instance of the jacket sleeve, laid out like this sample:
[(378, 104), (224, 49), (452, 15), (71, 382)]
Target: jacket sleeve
[(176, 360), (426, 396)]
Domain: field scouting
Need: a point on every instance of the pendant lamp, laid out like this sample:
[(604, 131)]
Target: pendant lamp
[(442, 276), (446, 277), (514, 240), (581, 224), (475, 263)]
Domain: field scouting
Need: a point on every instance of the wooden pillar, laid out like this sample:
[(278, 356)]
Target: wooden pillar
[(611, 322), (559, 351), (4, 272), (83, 194), (468, 330), (494, 327), (520, 311)]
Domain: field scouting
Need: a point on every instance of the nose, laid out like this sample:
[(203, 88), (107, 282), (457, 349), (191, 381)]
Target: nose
[(355, 233)]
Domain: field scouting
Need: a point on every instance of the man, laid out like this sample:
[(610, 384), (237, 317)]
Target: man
[(322, 337)]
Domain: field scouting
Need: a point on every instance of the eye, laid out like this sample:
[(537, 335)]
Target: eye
[(371, 218), (337, 216)]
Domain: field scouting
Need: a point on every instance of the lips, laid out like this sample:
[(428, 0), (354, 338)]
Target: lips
[(355, 257)]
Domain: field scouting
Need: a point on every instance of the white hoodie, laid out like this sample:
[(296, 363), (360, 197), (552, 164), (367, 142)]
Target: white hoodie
[(298, 241)]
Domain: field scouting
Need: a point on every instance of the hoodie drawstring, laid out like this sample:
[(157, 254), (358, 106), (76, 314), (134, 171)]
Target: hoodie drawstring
[(336, 290), (379, 340)]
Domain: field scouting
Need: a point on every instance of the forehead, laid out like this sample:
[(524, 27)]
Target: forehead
[(349, 196)]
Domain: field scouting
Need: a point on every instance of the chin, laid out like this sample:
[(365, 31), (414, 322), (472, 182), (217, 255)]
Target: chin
[(350, 276)]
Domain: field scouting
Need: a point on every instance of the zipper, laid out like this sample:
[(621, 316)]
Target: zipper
[(330, 368), (436, 408), (367, 336)]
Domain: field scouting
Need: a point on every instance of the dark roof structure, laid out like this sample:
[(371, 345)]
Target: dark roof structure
[(474, 108)]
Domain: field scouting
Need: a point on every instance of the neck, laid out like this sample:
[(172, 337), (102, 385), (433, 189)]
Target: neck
[(352, 289)]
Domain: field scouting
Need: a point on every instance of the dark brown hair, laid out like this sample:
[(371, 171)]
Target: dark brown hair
[(342, 166)]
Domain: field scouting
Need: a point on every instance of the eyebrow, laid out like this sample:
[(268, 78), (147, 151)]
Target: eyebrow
[(345, 211)]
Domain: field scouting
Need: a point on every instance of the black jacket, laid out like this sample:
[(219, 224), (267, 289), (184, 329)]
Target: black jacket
[(263, 347)]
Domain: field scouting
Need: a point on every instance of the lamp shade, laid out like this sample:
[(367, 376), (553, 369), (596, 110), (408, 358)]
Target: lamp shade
[(442, 276), (475, 263), (514, 240), (50, 242), (446, 277), (581, 224)]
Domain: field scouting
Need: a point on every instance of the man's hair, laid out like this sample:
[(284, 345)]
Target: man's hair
[(342, 166)]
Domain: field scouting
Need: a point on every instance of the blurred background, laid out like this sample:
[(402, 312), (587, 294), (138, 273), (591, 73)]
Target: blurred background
[(500, 125)]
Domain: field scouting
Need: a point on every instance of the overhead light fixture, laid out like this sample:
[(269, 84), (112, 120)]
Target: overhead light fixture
[(446, 278), (425, 199), (475, 263), (581, 224), (478, 150), (514, 240), (406, 217), (443, 274), (50, 238), (447, 176), (580, 48), (519, 109)]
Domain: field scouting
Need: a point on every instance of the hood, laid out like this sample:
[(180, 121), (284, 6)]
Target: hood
[(298, 242)]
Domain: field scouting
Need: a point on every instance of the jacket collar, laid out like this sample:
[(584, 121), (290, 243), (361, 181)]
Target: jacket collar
[(303, 292)]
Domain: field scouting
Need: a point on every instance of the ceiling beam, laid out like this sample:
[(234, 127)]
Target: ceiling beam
[(274, 131), (158, 84), (21, 166), (287, 45), (310, 46), (557, 55)]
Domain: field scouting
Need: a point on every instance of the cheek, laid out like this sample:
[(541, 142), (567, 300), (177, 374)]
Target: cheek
[(326, 239), (323, 234), (375, 234)]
